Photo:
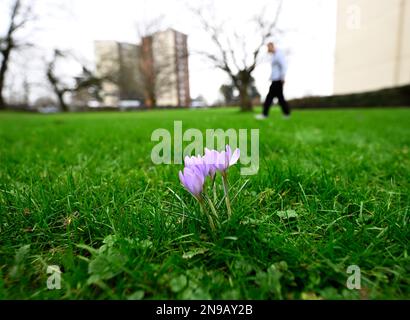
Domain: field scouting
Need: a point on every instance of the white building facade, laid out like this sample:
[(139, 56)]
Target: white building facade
[(372, 45)]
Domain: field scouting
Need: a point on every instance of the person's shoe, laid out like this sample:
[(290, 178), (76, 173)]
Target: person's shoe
[(286, 116), (260, 117)]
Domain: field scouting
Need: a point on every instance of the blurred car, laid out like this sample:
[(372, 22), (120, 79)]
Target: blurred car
[(48, 109), (94, 104), (127, 104), (198, 103)]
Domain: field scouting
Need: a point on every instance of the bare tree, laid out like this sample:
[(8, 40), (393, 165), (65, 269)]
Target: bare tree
[(88, 85), (87, 80), (59, 87), (20, 16), (238, 64)]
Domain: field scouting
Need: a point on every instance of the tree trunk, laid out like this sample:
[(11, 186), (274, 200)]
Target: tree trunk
[(63, 105), (10, 46), (245, 100), (3, 71), (150, 99), (54, 82), (2, 102)]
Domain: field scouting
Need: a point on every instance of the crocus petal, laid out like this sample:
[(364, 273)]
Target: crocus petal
[(212, 171), (187, 161), (202, 165), (210, 159), (181, 178), (197, 162), (221, 164), (187, 177), (198, 173), (228, 152), (197, 184), (235, 157), (192, 179)]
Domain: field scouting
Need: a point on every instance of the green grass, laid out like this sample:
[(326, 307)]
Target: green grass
[(80, 191)]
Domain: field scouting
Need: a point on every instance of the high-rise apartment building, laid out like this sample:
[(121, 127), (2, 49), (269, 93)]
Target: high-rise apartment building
[(170, 63), (117, 63), (156, 72), (372, 45)]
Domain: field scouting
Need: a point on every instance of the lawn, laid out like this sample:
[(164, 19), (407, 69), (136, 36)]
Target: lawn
[(80, 191)]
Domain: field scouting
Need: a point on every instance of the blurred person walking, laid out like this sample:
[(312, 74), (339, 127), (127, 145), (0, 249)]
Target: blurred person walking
[(279, 68)]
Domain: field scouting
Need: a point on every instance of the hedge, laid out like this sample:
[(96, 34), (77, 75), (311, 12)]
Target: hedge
[(391, 97)]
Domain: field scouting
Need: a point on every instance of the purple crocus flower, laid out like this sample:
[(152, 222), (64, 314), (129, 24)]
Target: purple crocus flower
[(193, 180), (197, 162), (226, 159), (220, 161), (211, 158), (232, 157)]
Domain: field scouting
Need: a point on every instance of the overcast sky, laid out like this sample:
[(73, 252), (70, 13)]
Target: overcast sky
[(309, 39)]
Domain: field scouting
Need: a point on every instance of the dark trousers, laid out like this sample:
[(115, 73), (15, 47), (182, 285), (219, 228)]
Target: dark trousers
[(276, 91)]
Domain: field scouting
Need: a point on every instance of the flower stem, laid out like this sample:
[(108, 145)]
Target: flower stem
[(227, 201), (214, 189), (203, 208), (213, 208), (211, 205)]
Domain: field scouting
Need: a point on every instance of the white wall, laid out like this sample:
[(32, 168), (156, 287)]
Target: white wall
[(372, 45)]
